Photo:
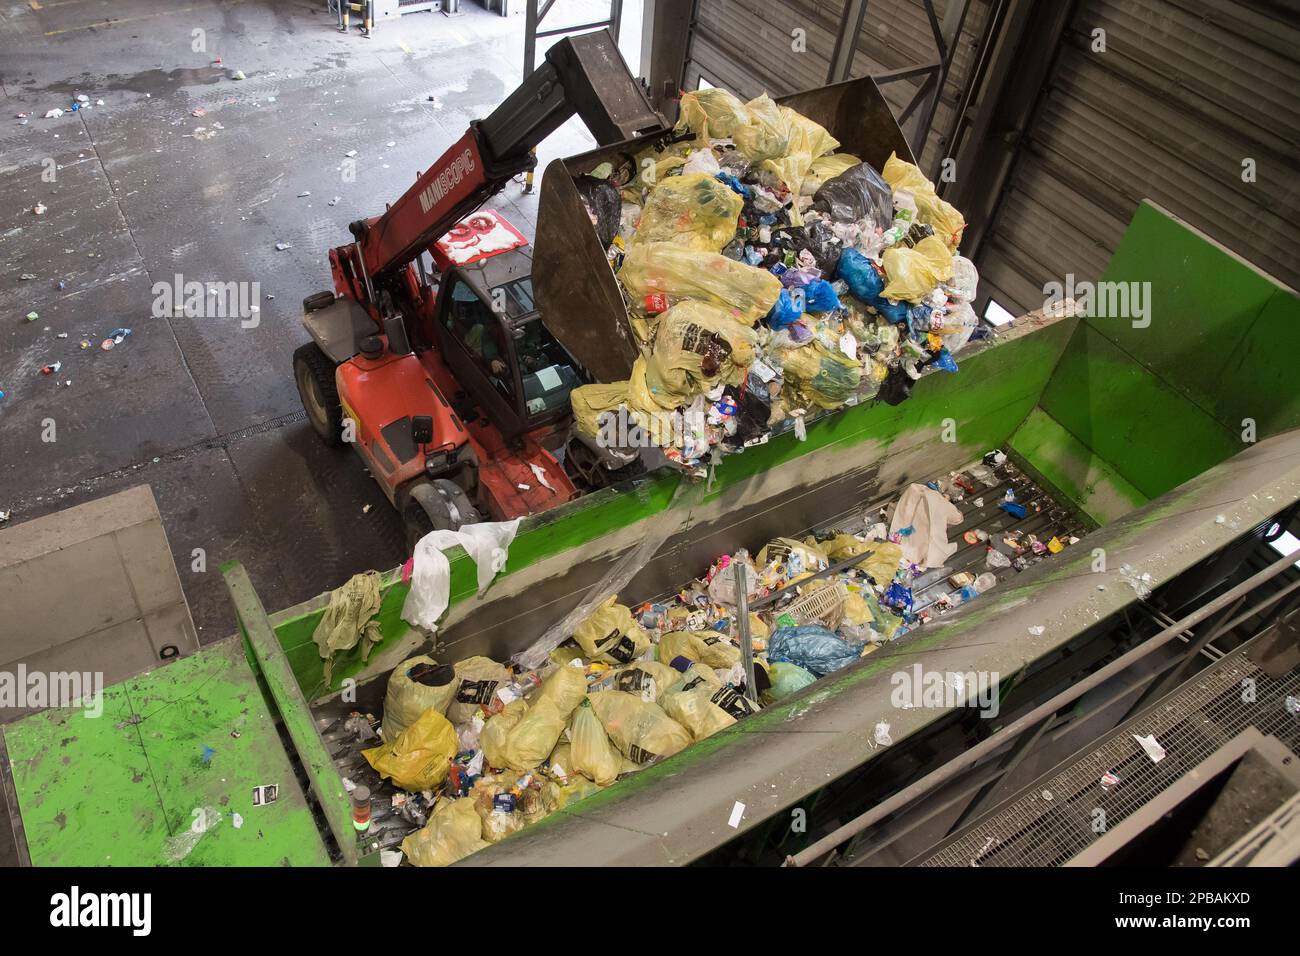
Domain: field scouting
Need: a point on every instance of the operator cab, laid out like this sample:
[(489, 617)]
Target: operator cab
[(493, 339)]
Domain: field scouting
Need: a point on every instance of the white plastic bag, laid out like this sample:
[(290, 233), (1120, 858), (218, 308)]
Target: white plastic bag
[(487, 544)]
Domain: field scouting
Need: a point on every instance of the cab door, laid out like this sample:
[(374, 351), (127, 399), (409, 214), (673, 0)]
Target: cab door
[(477, 345)]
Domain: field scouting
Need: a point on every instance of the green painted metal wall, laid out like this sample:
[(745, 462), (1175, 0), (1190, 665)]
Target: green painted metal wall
[(1135, 409)]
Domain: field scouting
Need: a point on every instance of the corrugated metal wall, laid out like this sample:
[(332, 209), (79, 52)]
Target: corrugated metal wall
[(1184, 91), (745, 46)]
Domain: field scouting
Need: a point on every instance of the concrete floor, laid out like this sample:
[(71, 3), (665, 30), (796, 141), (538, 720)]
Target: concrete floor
[(204, 410)]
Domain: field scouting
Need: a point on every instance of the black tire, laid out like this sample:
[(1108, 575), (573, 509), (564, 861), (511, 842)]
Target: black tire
[(415, 524), (440, 505), (314, 374), (317, 301)]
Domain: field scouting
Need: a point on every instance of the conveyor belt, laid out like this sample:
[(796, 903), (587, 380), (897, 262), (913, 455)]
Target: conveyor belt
[(1044, 518)]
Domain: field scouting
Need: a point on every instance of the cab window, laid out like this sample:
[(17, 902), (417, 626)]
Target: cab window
[(546, 369), (472, 322)]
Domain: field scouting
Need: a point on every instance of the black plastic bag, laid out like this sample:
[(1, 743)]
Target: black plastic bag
[(603, 205), (858, 192), (896, 388)]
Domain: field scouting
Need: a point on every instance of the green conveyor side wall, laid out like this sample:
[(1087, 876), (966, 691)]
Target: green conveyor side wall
[(1135, 409)]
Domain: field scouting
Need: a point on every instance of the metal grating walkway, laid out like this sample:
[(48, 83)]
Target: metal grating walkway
[(1050, 822)]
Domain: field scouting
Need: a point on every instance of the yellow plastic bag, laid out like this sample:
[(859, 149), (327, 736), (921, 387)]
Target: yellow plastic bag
[(818, 377), (913, 273), (745, 292), (477, 679), (765, 134), (827, 167), (560, 763), (453, 832), (696, 345), (611, 634), (693, 210), (708, 647), (930, 209), (557, 796), (420, 757), (592, 753), (645, 678), (879, 558), (591, 401), (641, 730), (496, 732), (530, 740), (712, 113), (808, 140), (690, 703), (406, 699), (564, 688)]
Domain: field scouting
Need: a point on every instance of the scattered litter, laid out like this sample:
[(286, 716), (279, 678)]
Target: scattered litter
[(350, 153), (1152, 748), (39, 209), (83, 98), (1140, 583), (62, 335), (334, 201), (5, 516), (236, 820), (365, 509), (1108, 780), (33, 316), (206, 755), (391, 144), (281, 246), (54, 113), (267, 793), (304, 194), (199, 112), (1037, 630), (27, 275), (114, 339), (52, 368), (737, 812), (540, 474), (238, 75)]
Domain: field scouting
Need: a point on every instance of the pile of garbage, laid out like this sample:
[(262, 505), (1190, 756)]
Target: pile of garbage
[(770, 278), (490, 749)]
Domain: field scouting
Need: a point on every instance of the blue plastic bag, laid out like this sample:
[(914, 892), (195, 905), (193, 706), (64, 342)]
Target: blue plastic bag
[(863, 279), (866, 284), (1014, 508), (736, 185), (812, 647), (785, 312), (944, 361), (819, 296)]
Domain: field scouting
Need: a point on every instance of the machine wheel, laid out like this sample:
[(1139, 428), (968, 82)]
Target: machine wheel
[(317, 301), (438, 505), (314, 374)]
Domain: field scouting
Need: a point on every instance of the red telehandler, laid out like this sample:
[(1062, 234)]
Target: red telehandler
[(433, 360)]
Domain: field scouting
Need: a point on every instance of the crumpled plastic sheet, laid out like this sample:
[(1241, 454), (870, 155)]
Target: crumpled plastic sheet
[(487, 543)]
